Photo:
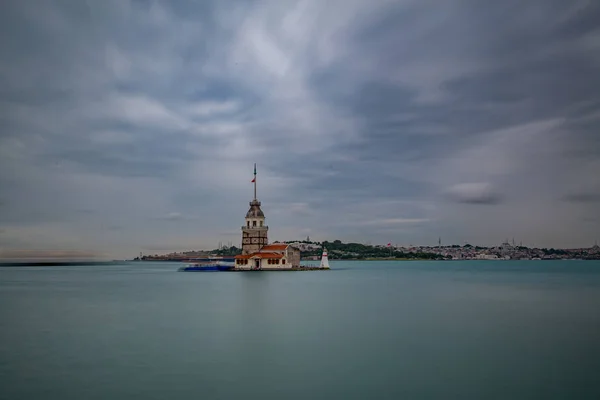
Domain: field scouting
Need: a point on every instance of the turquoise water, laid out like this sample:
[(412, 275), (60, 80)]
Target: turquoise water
[(364, 330)]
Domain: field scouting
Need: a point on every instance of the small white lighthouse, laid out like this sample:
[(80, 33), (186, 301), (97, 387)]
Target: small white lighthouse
[(324, 260)]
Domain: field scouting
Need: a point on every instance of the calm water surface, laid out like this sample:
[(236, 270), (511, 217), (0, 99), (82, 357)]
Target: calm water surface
[(365, 330)]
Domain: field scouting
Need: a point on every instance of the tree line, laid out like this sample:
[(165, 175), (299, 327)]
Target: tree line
[(337, 250)]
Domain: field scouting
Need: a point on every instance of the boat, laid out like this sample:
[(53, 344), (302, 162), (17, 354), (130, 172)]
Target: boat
[(207, 267), (208, 259)]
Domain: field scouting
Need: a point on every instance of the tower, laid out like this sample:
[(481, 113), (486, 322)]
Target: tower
[(324, 260), (254, 231)]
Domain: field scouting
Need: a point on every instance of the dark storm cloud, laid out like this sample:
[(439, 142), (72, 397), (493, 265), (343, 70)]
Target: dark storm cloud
[(583, 198), (474, 193), (146, 156)]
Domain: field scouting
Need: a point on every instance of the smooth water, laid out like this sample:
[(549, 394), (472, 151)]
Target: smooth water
[(364, 330)]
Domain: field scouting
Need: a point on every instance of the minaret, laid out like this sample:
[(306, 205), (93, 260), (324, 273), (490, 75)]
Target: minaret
[(324, 260), (254, 232)]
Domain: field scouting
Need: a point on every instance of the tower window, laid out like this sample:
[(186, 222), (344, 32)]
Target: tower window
[(248, 224), (253, 223), (261, 223)]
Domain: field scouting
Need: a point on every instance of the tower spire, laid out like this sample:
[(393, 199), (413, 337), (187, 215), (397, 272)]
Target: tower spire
[(254, 180)]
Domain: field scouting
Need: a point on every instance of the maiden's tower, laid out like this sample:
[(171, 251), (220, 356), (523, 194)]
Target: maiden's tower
[(257, 253)]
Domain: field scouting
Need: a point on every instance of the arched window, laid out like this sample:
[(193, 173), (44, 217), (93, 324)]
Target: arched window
[(253, 223), (261, 223), (283, 260)]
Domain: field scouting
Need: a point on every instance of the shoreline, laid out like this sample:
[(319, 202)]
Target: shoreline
[(468, 259), (280, 269), (372, 259)]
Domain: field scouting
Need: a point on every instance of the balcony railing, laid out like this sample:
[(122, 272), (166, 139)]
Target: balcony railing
[(264, 227)]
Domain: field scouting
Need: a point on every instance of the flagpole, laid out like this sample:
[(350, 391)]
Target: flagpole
[(254, 181)]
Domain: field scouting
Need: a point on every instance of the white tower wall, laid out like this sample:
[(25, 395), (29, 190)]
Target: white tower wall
[(324, 260)]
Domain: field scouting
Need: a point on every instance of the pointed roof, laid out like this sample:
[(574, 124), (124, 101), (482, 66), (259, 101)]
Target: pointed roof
[(255, 211)]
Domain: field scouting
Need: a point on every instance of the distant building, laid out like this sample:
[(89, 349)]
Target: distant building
[(305, 246), (257, 253)]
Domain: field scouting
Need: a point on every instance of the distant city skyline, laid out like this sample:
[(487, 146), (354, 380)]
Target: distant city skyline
[(357, 251), (134, 126)]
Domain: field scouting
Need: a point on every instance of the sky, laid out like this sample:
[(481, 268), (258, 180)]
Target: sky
[(133, 126)]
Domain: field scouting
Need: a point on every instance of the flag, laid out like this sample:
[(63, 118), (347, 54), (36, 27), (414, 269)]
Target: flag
[(389, 244), (253, 180)]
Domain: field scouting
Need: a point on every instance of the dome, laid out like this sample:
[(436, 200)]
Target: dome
[(255, 211)]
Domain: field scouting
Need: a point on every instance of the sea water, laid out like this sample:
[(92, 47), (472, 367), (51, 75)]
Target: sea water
[(363, 330)]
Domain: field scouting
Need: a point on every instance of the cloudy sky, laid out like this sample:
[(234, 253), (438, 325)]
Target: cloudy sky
[(130, 126)]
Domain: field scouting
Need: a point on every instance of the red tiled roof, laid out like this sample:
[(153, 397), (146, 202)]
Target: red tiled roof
[(259, 255), (267, 255), (275, 246)]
